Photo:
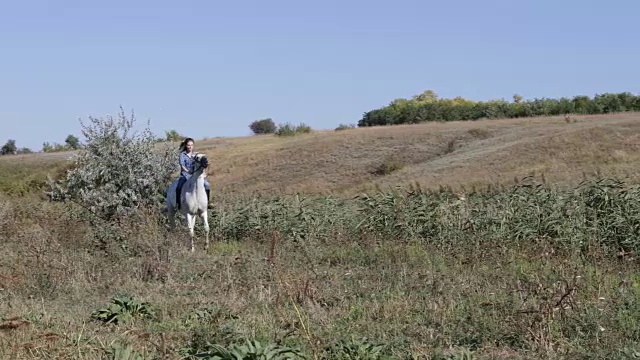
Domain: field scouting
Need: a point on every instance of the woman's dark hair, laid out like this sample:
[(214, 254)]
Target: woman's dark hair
[(184, 142)]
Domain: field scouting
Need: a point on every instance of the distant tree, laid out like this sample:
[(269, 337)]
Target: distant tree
[(517, 98), (9, 148), (173, 135), (426, 96), (72, 142), (264, 126), (24, 150), (47, 147)]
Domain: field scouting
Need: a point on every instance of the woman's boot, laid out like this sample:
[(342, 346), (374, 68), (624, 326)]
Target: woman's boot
[(178, 188)]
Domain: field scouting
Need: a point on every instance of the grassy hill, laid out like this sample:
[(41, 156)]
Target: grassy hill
[(464, 153), (526, 273), (456, 153)]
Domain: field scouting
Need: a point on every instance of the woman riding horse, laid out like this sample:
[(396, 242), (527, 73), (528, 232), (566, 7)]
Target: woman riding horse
[(187, 167)]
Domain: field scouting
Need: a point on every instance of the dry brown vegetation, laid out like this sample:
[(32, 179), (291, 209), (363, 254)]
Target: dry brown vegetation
[(540, 284), (464, 153), (459, 153)]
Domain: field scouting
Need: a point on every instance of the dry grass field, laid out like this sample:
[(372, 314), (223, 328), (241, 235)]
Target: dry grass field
[(433, 154), (456, 154), (536, 272)]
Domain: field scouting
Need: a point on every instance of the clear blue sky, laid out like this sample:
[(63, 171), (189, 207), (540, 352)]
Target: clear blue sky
[(209, 68)]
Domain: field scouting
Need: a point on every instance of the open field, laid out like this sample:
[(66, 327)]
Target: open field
[(547, 268)]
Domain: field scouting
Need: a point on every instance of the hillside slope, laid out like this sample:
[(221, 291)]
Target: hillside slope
[(433, 154)]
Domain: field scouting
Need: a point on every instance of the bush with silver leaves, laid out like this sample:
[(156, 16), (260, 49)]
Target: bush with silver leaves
[(118, 171)]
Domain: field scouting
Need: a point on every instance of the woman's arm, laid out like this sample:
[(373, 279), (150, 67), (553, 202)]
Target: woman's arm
[(183, 163)]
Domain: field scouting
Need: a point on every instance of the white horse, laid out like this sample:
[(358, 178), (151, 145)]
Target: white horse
[(193, 200)]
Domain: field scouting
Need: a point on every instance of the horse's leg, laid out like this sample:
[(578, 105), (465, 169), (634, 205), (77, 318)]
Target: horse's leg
[(191, 223), (205, 222)]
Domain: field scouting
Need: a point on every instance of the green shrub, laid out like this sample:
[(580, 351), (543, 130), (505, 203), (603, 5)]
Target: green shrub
[(288, 129), (303, 128), (345, 127), (123, 309), (117, 172), (9, 148), (172, 135), (55, 147), (250, 350), (264, 126)]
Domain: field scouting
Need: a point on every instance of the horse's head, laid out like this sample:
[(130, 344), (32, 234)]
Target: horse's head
[(201, 161)]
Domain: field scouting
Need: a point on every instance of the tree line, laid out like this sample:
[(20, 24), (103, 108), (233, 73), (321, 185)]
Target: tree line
[(423, 107), (71, 143), (427, 106)]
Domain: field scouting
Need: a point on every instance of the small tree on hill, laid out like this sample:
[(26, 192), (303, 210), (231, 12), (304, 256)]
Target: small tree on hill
[(72, 142), (9, 148), (172, 135), (264, 126), (117, 172)]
